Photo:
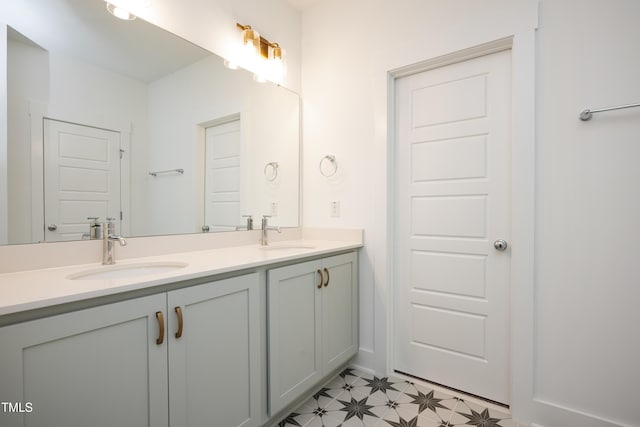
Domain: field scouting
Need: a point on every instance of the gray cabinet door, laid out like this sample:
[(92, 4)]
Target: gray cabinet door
[(214, 365), (339, 310), (95, 367), (294, 337), (313, 324)]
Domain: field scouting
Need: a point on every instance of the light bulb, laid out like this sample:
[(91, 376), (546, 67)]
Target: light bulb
[(276, 64), (120, 13), (251, 39), (230, 64)]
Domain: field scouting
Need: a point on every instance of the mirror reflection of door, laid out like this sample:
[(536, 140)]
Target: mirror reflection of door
[(82, 178), (222, 176)]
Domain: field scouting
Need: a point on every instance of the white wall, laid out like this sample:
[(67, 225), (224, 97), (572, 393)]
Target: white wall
[(28, 78), (274, 136), (585, 341), (4, 212), (587, 195)]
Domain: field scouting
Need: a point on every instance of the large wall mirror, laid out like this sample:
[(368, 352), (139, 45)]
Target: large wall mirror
[(121, 119)]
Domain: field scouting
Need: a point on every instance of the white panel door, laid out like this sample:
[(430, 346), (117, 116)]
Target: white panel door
[(81, 178), (222, 180), (452, 203)]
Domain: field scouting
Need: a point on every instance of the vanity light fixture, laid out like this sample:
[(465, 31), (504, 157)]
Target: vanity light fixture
[(120, 13), (265, 57)]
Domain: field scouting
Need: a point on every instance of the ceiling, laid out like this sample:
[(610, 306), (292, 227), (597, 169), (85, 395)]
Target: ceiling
[(84, 29), (302, 5)]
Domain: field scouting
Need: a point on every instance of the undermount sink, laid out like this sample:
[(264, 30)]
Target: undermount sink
[(282, 247), (127, 270)]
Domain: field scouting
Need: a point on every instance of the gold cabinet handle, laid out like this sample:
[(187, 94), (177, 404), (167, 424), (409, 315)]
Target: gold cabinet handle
[(179, 313), (160, 318), (328, 278), (321, 279)]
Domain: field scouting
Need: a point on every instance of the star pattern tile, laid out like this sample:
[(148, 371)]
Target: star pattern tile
[(355, 398), (482, 419), (426, 401)]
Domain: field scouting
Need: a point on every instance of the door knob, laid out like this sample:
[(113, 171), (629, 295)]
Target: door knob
[(52, 227), (205, 228), (500, 245)]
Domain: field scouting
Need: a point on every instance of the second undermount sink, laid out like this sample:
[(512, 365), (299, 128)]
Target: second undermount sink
[(126, 271)]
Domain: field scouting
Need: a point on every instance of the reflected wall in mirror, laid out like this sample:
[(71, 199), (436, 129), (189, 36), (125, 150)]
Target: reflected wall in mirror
[(121, 119)]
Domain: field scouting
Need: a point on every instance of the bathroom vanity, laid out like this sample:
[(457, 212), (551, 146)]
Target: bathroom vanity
[(227, 337)]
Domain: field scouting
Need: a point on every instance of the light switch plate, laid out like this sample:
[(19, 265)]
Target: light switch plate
[(335, 209)]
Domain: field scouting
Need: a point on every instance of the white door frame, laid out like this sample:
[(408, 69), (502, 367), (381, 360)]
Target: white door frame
[(522, 48)]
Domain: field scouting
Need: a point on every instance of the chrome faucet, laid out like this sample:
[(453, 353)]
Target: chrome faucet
[(108, 237), (265, 227)]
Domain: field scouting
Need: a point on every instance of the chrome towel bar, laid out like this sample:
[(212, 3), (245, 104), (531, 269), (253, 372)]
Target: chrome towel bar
[(586, 114), (156, 173)]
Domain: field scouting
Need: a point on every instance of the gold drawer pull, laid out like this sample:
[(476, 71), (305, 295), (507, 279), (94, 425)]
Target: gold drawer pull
[(160, 318), (321, 279), (328, 278), (179, 313)]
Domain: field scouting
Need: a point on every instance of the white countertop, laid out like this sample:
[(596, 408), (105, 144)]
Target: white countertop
[(33, 289)]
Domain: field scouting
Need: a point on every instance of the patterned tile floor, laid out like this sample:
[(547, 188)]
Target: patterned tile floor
[(355, 398)]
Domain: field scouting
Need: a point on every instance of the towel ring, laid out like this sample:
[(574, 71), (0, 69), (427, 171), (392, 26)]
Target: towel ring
[(333, 168), (271, 171)]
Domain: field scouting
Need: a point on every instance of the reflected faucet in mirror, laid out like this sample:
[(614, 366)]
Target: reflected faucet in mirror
[(248, 225), (95, 229)]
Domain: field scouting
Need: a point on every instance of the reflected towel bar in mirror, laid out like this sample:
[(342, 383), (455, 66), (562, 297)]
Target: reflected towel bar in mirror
[(156, 173)]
